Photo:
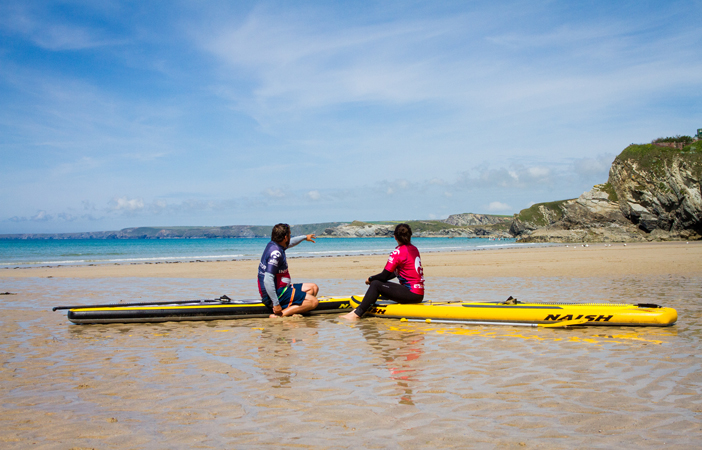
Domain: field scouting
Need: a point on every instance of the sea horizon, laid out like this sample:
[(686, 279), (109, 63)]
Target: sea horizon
[(50, 252)]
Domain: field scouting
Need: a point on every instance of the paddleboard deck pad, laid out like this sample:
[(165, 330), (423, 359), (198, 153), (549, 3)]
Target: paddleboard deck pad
[(196, 310), (513, 311)]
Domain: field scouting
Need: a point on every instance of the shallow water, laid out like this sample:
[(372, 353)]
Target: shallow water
[(319, 383)]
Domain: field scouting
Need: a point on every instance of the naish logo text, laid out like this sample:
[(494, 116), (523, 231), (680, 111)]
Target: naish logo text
[(591, 318)]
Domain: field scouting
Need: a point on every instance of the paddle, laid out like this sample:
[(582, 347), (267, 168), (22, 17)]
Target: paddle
[(560, 324), (222, 299)]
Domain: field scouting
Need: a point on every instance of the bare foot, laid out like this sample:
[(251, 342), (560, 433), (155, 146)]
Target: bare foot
[(273, 316), (350, 316)]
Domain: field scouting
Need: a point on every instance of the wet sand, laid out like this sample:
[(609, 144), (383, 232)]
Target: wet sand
[(317, 382)]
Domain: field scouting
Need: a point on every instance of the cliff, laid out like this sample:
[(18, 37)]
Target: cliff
[(459, 225), (475, 219), (653, 193)]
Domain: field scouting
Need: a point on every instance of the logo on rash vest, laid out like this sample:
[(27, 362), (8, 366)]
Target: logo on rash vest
[(394, 252), (275, 254), (418, 267)]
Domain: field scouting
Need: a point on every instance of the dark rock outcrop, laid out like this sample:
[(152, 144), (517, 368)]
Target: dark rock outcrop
[(653, 193), (660, 192)]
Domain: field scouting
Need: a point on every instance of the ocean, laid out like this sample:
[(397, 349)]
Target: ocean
[(33, 253)]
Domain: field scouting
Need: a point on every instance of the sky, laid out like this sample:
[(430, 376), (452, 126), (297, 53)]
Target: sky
[(118, 114)]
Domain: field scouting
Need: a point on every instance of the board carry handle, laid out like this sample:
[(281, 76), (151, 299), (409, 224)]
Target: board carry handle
[(222, 299)]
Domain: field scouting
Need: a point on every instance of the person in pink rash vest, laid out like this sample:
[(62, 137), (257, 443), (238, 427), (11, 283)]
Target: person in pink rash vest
[(405, 264)]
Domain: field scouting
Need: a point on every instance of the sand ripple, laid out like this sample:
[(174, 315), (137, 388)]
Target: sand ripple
[(319, 383)]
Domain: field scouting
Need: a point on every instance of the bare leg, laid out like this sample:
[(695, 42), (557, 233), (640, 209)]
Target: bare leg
[(308, 304), (310, 288), (351, 316)]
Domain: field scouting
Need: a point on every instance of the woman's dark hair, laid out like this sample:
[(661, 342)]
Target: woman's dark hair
[(280, 232), (403, 234)]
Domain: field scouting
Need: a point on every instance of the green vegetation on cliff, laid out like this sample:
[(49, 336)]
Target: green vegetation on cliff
[(609, 189), (542, 214), (429, 226), (656, 158), (685, 140)]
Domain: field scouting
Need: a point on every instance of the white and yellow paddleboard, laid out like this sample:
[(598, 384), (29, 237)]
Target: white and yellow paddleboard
[(180, 311), (598, 314)]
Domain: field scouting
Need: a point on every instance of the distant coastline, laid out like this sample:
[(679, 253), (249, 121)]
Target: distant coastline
[(457, 225)]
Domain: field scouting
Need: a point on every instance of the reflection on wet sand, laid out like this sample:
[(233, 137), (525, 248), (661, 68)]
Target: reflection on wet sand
[(399, 350), (589, 335), (274, 349)]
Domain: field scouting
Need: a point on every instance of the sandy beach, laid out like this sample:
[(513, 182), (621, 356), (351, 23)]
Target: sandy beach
[(318, 382), (557, 260)]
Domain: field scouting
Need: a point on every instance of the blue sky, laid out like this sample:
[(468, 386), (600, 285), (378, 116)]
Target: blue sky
[(116, 114)]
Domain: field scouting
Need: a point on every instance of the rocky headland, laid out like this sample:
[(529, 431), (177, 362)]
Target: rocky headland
[(466, 225), (653, 194)]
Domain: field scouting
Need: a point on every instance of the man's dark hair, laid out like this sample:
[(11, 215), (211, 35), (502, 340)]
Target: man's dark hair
[(403, 234), (280, 232)]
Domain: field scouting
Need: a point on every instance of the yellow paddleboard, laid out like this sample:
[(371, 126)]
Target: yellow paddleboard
[(599, 314)]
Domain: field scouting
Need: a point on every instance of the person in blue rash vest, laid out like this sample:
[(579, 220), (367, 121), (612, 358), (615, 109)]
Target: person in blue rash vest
[(274, 283)]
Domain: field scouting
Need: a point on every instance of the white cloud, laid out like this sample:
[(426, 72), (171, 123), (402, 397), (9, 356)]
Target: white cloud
[(539, 172), (314, 195), (516, 176), (596, 169), (41, 216), (498, 206), (127, 205), (158, 206), (297, 61), (275, 193)]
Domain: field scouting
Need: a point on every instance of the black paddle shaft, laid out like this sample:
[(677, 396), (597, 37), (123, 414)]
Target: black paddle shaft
[(223, 298)]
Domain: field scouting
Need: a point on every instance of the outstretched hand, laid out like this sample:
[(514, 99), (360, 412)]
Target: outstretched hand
[(310, 237)]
